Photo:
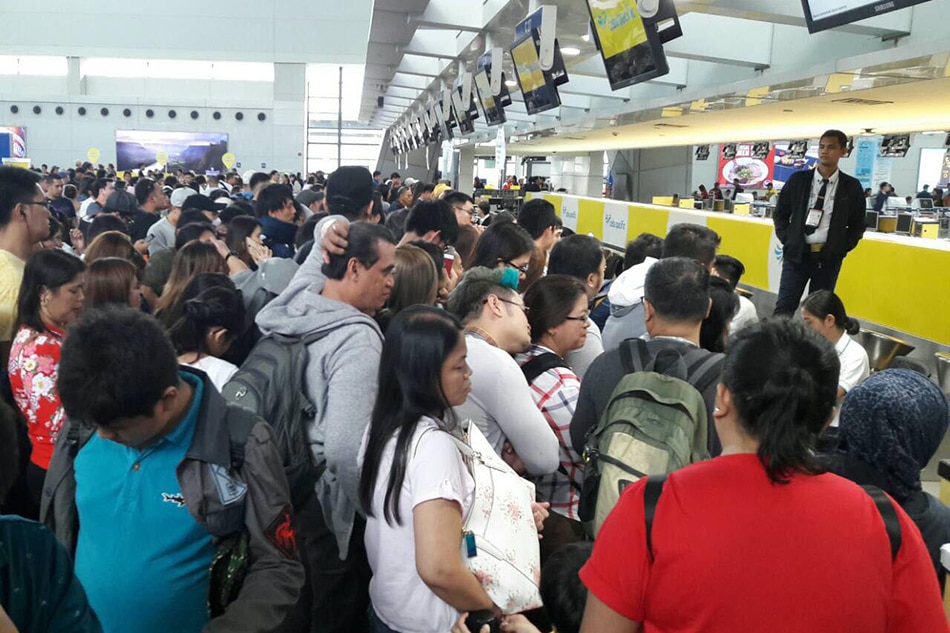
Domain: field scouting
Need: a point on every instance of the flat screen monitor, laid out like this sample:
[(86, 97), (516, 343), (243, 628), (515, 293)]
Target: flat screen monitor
[(504, 98), (537, 88), (895, 146), (631, 49), (925, 203), (870, 220), (896, 202), (827, 14), (192, 151), (904, 222), (494, 113)]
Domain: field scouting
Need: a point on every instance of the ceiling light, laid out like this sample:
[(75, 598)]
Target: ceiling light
[(586, 37), (570, 51), (511, 83)]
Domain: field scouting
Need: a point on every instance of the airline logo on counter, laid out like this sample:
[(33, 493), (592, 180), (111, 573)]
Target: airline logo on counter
[(615, 223), (569, 213)]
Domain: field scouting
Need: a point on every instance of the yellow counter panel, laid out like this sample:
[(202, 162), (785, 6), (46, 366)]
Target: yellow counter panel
[(895, 281)]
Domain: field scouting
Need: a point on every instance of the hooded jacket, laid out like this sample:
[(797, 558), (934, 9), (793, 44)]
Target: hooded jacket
[(626, 306), (340, 380)]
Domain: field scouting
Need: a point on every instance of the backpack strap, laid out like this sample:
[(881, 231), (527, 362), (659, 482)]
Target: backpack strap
[(540, 364), (704, 370), (240, 424), (651, 496), (634, 354), (889, 515)]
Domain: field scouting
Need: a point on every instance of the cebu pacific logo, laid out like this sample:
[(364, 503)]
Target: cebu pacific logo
[(779, 252)]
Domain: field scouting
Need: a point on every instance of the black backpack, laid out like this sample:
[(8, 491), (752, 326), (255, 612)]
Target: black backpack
[(270, 383)]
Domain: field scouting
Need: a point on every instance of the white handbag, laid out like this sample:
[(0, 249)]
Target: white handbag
[(500, 539)]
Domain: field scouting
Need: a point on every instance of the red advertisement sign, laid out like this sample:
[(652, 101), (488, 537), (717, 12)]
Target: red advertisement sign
[(752, 169)]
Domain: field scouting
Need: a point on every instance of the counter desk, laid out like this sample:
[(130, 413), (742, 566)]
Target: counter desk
[(896, 281)]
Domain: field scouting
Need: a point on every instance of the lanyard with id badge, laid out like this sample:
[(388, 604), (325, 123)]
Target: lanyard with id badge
[(817, 212)]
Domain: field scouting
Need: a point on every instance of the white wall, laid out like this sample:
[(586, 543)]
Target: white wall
[(277, 142)]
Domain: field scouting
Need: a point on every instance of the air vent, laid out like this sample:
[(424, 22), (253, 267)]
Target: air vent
[(669, 125), (862, 102)]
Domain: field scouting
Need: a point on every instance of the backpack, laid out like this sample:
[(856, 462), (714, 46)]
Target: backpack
[(270, 383), (653, 424), (885, 507)]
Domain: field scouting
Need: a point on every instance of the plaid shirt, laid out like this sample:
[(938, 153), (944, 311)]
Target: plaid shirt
[(555, 392)]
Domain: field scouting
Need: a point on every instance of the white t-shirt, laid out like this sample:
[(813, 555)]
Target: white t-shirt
[(219, 371), (434, 470), (855, 366), (580, 359), (745, 317)]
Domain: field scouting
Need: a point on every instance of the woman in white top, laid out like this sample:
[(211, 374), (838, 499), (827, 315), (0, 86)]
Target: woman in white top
[(824, 312), (414, 484), (212, 317)]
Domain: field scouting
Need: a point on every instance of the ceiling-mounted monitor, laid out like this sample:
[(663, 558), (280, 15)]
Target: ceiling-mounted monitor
[(531, 25), (494, 113), (504, 97), (895, 146), (537, 86), (827, 14), (630, 47)]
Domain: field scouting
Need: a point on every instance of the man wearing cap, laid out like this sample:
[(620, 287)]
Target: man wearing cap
[(312, 200), (151, 200), (819, 219), (161, 235)]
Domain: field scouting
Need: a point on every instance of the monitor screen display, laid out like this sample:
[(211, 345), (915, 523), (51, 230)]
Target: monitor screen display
[(537, 88), (826, 14), (895, 146), (484, 63), (192, 151), (494, 113), (631, 50)]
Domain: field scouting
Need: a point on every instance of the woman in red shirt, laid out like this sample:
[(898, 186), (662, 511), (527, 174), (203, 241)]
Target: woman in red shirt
[(758, 539), (51, 297)]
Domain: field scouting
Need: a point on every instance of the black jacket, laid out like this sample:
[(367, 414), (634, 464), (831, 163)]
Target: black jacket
[(847, 219)]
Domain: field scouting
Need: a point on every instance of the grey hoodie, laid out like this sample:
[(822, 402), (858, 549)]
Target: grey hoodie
[(626, 309), (340, 381)]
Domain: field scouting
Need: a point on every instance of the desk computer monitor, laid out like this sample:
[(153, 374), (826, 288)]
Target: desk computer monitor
[(924, 203), (896, 202), (904, 222), (870, 220)]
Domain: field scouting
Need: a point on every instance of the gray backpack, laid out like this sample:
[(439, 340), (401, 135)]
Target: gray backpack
[(654, 423), (270, 383)]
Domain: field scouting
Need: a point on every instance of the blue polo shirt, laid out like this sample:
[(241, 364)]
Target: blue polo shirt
[(141, 556)]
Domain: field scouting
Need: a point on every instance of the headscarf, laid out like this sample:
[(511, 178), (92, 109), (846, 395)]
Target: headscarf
[(894, 421)]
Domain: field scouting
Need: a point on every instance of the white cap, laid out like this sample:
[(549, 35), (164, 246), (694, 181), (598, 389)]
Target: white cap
[(179, 196)]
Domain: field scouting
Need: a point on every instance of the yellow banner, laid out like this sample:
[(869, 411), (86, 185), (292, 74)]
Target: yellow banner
[(619, 25)]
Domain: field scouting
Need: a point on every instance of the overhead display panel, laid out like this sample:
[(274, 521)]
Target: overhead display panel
[(494, 113), (195, 151), (537, 87), (631, 49), (826, 14)]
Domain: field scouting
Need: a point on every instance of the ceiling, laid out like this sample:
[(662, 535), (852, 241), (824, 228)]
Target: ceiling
[(736, 87)]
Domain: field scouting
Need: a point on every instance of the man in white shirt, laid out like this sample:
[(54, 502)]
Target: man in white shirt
[(581, 256), (161, 235), (496, 326)]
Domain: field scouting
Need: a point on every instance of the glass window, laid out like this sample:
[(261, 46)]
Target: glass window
[(44, 65)]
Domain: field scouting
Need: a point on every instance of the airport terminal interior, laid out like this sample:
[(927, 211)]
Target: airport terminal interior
[(809, 140)]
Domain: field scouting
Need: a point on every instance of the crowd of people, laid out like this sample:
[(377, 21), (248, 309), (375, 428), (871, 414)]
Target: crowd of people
[(140, 315)]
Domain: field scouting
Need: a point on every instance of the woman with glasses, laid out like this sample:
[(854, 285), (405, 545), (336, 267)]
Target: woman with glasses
[(505, 245), (558, 315)]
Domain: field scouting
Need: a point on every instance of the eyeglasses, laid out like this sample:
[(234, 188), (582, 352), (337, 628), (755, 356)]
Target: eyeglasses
[(34, 203), (583, 318), (523, 307), (523, 268)]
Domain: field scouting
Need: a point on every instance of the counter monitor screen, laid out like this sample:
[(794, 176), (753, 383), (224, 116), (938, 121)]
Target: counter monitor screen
[(826, 14), (494, 113), (537, 88), (631, 49)]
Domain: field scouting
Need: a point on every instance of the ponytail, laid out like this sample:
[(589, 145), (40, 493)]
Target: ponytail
[(214, 307), (783, 378), (824, 302)]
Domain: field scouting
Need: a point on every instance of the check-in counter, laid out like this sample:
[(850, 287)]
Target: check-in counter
[(892, 280)]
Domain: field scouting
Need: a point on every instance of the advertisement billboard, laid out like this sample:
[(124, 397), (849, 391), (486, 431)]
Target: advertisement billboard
[(192, 151)]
